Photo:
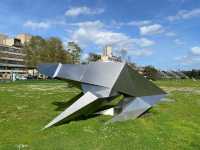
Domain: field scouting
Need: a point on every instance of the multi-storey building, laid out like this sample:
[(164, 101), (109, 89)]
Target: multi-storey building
[(12, 59), (108, 55), (24, 38), (3, 37), (107, 51)]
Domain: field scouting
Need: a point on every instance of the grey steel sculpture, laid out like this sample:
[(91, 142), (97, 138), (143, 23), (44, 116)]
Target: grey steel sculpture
[(100, 81)]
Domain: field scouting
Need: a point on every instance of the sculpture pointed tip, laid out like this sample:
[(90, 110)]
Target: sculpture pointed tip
[(42, 129)]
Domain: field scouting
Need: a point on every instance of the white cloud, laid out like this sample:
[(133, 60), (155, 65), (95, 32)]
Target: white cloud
[(185, 14), (192, 57), (83, 10), (188, 59), (143, 42), (89, 24), (84, 56), (195, 50), (181, 1), (44, 24), (179, 42), (96, 33), (116, 24), (139, 23), (170, 34), (151, 29), (141, 53), (56, 22), (37, 25)]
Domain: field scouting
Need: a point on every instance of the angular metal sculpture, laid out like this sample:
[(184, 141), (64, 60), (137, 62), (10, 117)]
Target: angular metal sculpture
[(101, 81)]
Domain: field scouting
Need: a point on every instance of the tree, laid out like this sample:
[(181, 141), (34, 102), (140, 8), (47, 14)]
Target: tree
[(93, 57), (193, 74), (33, 50), (151, 73), (56, 51), (75, 52), (39, 50)]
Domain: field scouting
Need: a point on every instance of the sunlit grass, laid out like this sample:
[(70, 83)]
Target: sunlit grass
[(25, 107)]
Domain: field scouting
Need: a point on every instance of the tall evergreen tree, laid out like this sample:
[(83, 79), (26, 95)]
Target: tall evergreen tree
[(75, 52)]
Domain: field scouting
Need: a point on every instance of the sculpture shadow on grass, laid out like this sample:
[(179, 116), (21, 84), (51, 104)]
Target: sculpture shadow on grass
[(77, 119), (94, 115), (61, 106), (89, 111)]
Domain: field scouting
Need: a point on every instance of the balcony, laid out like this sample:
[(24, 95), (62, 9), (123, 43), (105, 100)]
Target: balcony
[(12, 65), (12, 71), (12, 53), (10, 49), (13, 59)]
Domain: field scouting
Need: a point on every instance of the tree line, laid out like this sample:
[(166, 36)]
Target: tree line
[(152, 73), (195, 74), (39, 50)]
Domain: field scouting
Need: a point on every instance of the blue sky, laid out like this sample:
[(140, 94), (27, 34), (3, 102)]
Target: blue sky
[(162, 33)]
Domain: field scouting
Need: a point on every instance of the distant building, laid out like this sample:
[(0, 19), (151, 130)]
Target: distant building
[(12, 63), (182, 75), (12, 42), (3, 37), (164, 75), (24, 37), (140, 70), (108, 55), (17, 41), (108, 51)]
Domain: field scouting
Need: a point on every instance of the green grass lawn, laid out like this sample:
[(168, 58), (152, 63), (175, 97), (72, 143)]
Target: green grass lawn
[(25, 107)]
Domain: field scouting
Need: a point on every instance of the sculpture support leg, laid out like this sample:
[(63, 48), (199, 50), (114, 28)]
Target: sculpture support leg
[(83, 101), (131, 107), (109, 112)]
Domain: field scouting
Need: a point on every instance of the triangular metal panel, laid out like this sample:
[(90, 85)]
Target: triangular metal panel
[(72, 72), (123, 83), (102, 73), (134, 84), (143, 87), (100, 91), (47, 69)]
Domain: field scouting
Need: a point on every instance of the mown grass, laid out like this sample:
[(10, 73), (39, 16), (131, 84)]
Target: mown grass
[(25, 107)]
